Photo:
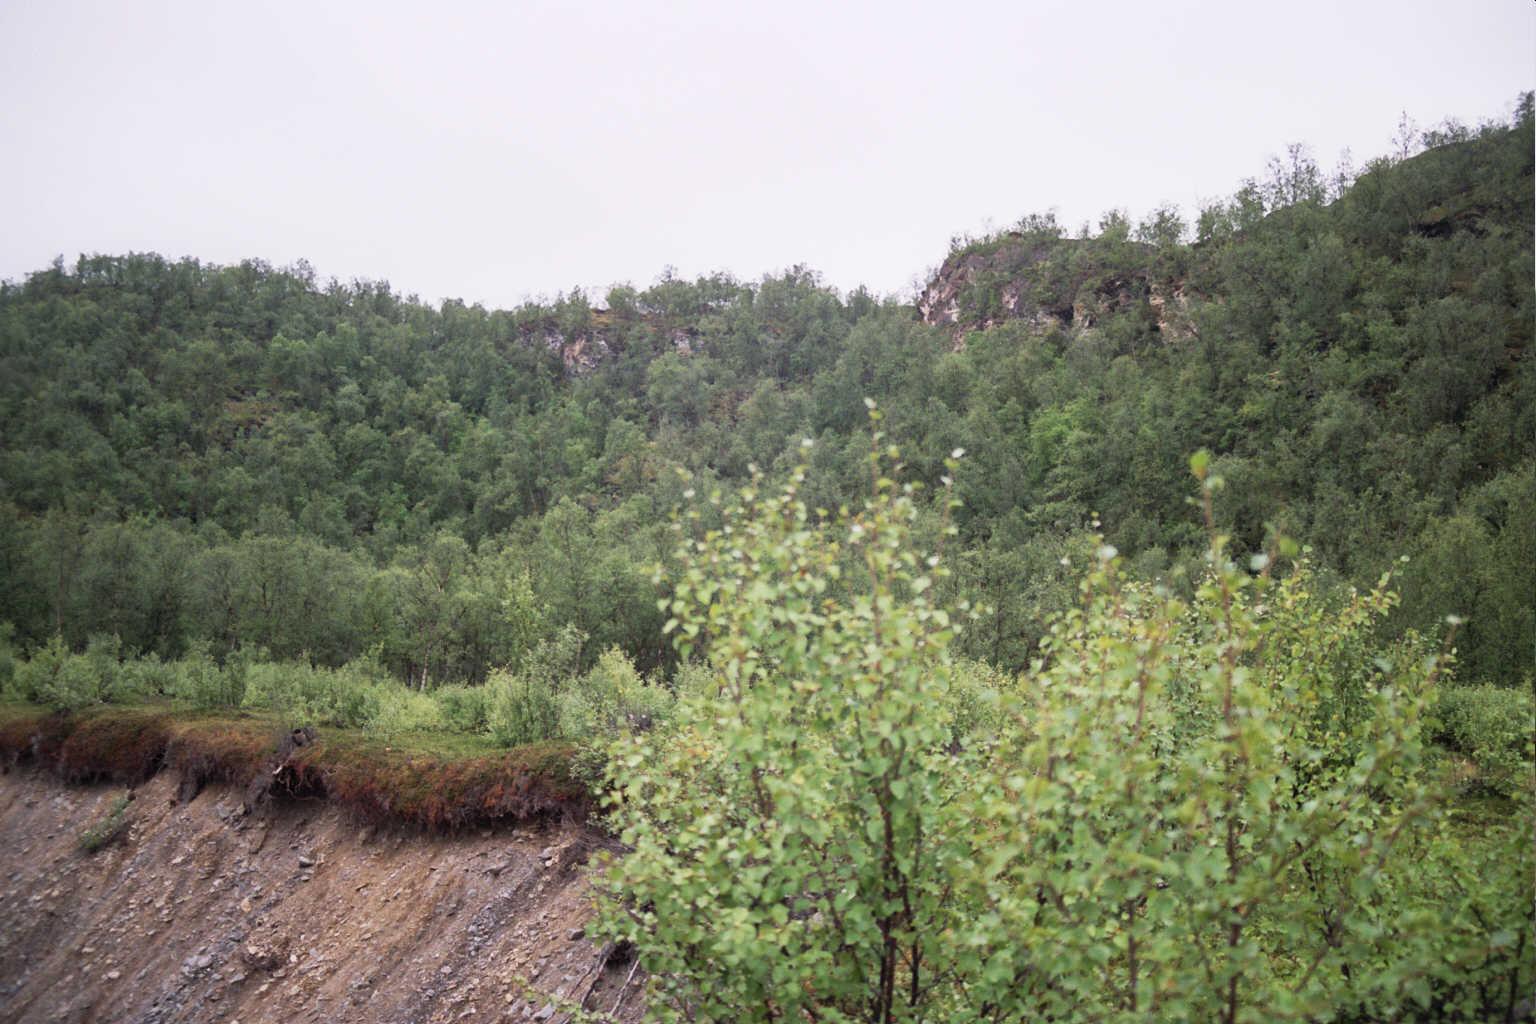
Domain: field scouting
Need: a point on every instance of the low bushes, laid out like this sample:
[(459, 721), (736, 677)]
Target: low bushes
[(462, 708), (202, 682), (300, 694), (612, 699), (147, 677), (546, 699), (405, 711), (521, 708), (1493, 728), (524, 707), (64, 681), (549, 700)]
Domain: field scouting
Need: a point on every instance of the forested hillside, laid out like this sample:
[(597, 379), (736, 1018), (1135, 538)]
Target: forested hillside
[(247, 457)]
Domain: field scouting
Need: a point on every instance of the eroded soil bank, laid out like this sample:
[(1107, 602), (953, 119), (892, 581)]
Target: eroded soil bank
[(295, 913)]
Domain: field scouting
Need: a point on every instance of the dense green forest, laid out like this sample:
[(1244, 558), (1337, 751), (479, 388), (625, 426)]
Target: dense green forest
[(247, 457)]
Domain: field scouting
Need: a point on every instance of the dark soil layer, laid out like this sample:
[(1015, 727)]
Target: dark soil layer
[(375, 780)]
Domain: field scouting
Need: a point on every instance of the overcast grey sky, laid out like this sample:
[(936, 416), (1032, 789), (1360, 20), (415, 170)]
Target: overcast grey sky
[(497, 151)]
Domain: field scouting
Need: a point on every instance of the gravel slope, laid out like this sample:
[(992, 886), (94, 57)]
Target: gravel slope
[(295, 914)]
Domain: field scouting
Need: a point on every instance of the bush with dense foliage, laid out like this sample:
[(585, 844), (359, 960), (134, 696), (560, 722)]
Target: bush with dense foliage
[(59, 679), (1203, 809), (461, 708), (305, 695), (610, 699), (524, 706)]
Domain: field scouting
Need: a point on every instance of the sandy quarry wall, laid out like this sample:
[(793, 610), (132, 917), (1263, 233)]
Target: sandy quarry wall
[(296, 913)]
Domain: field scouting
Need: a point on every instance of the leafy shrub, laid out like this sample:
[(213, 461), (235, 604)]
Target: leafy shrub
[(524, 707), (146, 677), (521, 708), (273, 686), (974, 703), (462, 708), (351, 694), (1493, 727), (58, 679), (110, 829), (65, 681), (790, 832), (103, 657), (28, 680), (200, 681), (695, 679), (610, 699), (301, 694), (404, 710)]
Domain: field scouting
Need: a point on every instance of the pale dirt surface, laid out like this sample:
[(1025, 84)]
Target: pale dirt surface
[(297, 913)]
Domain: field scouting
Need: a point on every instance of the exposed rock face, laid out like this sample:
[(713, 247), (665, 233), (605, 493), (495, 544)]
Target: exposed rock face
[(581, 353), (1049, 283), (204, 914), (1171, 307), (584, 350), (942, 302)]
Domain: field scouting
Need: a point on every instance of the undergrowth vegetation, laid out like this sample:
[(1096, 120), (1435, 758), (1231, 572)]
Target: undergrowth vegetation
[(548, 698), (522, 746), (1492, 728)]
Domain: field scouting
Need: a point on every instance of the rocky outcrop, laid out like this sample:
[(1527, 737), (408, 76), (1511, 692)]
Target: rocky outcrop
[(584, 349), (950, 298), (1171, 308), (580, 353), (1050, 284)]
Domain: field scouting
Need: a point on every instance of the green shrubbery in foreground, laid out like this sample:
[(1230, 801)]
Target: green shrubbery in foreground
[(1216, 809)]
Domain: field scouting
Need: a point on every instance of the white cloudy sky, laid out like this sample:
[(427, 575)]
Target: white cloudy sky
[(501, 150)]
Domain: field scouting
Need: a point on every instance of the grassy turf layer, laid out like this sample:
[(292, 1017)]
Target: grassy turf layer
[(429, 783)]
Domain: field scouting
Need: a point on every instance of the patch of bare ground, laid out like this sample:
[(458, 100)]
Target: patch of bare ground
[(294, 912)]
